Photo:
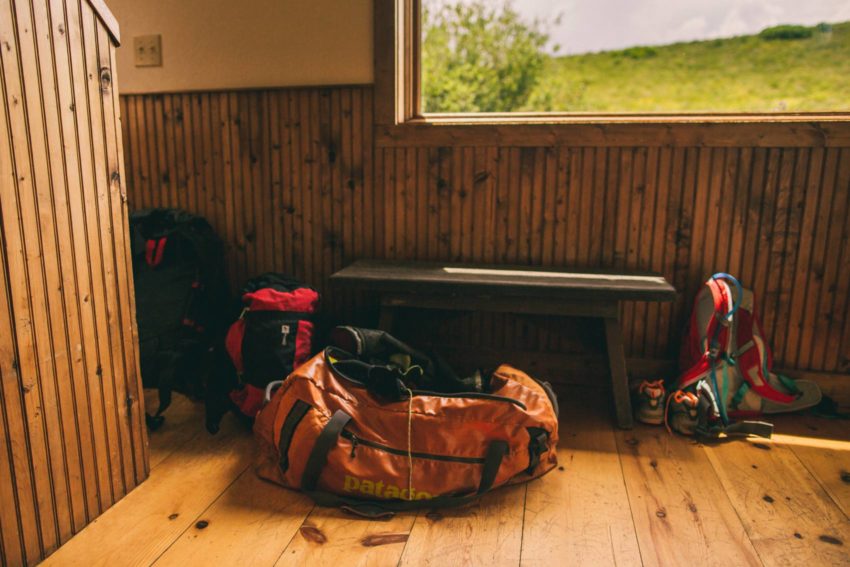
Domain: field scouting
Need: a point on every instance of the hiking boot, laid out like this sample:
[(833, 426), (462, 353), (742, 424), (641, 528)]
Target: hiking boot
[(650, 402), (682, 416)]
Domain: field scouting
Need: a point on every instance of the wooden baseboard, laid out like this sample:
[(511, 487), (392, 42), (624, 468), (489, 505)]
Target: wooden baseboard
[(561, 369), (832, 384)]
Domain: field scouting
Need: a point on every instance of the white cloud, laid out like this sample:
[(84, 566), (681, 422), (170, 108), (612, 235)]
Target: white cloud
[(595, 25), (690, 28)]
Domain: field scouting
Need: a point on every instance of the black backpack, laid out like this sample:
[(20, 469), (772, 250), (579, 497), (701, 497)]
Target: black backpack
[(272, 336), (181, 296)]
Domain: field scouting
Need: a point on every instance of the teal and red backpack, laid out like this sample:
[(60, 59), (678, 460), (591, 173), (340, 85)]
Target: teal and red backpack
[(726, 361)]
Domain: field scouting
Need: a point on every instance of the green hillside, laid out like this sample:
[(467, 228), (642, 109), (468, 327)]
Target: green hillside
[(739, 74)]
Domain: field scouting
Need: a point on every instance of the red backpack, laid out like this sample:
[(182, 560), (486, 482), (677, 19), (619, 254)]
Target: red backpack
[(272, 337)]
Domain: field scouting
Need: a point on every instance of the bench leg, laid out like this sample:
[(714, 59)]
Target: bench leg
[(619, 379), (386, 318)]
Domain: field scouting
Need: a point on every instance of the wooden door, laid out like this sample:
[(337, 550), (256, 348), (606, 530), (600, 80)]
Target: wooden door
[(72, 436)]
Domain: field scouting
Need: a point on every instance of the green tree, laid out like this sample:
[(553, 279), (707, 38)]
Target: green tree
[(479, 58)]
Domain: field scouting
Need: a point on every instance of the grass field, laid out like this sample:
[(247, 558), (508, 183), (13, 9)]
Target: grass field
[(739, 74)]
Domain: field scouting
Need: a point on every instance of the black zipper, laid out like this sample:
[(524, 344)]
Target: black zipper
[(293, 418), (473, 395), (355, 441)]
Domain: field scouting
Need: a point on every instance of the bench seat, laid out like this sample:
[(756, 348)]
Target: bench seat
[(513, 289)]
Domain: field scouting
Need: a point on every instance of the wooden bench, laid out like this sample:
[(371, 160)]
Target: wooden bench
[(519, 290)]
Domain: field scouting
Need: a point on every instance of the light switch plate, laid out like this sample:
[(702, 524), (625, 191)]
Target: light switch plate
[(147, 50)]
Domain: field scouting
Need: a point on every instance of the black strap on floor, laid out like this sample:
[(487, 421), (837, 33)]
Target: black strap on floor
[(326, 441), (740, 428), (757, 428)]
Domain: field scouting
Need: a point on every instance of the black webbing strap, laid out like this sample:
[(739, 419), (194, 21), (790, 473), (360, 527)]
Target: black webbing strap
[(319, 455), (757, 428), (496, 450), (293, 418), (374, 509), (740, 428), (550, 393)]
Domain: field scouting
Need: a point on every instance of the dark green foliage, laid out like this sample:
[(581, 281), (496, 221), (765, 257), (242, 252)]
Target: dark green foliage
[(786, 32), (639, 52), (479, 58)]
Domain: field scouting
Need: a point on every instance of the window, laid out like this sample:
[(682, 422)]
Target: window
[(646, 57)]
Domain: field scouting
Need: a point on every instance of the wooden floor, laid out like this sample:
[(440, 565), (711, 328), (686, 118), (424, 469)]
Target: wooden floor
[(618, 497)]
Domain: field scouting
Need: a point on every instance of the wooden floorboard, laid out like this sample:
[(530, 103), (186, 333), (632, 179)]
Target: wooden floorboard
[(488, 533), (332, 537), (580, 510), (250, 524), (787, 514), (679, 508), (182, 423), (617, 498), (140, 527), (823, 446)]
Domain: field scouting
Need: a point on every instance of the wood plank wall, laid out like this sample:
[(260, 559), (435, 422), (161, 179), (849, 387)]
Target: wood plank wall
[(72, 437), (293, 181)]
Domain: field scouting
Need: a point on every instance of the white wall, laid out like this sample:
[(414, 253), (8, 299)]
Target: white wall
[(227, 44)]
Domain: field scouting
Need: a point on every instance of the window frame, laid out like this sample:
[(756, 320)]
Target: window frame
[(399, 120)]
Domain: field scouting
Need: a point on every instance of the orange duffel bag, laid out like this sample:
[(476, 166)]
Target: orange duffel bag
[(379, 428)]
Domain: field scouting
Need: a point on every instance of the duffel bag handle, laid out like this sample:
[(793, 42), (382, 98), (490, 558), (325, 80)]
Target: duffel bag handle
[(326, 441), (270, 390), (328, 438)]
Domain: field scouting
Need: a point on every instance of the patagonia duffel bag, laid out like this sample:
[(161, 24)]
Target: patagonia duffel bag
[(358, 429)]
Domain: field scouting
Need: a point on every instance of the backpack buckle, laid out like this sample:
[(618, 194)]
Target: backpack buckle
[(713, 350), (536, 447), (704, 390)]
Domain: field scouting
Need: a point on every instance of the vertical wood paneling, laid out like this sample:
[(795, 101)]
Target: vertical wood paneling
[(72, 437), (838, 270), (310, 192), (127, 377), (20, 522)]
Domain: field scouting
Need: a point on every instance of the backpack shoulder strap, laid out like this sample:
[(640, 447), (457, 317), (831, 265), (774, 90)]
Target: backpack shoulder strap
[(753, 358)]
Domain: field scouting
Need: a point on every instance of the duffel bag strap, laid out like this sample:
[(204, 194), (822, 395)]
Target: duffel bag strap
[(326, 441), (329, 437), (378, 509)]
